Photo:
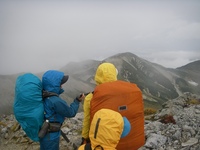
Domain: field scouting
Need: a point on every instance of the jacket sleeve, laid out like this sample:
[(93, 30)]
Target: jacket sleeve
[(63, 109), (86, 119)]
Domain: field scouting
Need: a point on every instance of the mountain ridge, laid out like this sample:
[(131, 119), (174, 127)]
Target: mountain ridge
[(157, 83), (191, 66)]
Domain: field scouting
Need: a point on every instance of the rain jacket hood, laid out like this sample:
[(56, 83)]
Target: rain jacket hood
[(106, 129), (51, 81), (106, 72)]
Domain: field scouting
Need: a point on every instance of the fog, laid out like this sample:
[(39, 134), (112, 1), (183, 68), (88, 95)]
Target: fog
[(39, 35)]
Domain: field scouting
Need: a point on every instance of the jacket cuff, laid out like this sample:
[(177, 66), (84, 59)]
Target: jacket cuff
[(77, 100)]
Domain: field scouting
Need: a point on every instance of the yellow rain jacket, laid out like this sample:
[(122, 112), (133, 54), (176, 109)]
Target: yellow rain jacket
[(120, 96), (106, 72), (106, 128)]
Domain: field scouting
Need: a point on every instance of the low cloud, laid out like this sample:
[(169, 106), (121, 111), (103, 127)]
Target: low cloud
[(36, 36)]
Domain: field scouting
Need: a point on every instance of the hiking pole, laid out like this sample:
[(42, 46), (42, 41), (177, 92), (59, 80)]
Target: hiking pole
[(68, 141)]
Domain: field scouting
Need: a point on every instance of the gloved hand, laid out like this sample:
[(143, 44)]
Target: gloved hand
[(85, 141)]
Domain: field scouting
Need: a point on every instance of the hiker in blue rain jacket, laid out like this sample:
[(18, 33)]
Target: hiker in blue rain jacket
[(56, 109)]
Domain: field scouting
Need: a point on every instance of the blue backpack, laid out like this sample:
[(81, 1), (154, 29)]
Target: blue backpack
[(28, 104)]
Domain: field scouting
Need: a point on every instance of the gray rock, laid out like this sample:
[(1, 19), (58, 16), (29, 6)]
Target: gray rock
[(155, 141), (184, 135), (190, 142)]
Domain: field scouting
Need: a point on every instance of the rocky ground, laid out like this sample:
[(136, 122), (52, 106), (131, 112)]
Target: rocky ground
[(175, 127), (13, 137)]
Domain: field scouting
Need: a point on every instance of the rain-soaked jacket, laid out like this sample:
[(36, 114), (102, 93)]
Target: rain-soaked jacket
[(123, 97), (56, 109), (106, 128), (106, 72)]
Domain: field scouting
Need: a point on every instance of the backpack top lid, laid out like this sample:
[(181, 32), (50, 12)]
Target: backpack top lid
[(28, 104)]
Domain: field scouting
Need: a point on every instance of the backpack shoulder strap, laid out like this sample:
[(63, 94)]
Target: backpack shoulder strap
[(87, 146), (48, 94)]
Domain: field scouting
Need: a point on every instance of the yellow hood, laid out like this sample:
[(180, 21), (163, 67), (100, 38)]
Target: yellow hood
[(106, 72), (106, 129)]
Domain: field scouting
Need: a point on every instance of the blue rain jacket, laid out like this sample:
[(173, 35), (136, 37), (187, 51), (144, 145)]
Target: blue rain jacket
[(56, 109)]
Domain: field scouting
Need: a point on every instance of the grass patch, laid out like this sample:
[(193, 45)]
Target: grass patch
[(193, 102), (149, 111)]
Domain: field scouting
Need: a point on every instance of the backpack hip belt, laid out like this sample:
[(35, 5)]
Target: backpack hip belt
[(54, 127)]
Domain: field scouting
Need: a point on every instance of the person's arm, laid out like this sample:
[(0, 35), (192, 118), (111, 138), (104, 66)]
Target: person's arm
[(86, 119), (62, 108)]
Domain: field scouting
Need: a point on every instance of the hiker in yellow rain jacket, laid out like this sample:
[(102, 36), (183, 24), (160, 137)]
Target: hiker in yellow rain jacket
[(120, 96), (105, 73), (107, 127)]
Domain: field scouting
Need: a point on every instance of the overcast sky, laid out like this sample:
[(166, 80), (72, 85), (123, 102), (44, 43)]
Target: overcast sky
[(39, 35)]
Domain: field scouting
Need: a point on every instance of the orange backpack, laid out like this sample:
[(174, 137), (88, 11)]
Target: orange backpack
[(125, 98)]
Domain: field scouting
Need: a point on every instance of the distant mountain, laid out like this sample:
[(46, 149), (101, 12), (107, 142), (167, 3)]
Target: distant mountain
[(193, 66), (157, 83)]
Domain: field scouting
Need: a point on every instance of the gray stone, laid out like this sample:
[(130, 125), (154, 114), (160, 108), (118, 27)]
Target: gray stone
[(184, 135), (190, 142), (155, 141)]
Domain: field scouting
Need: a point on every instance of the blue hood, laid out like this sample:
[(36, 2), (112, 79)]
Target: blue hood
[(51, 81)]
